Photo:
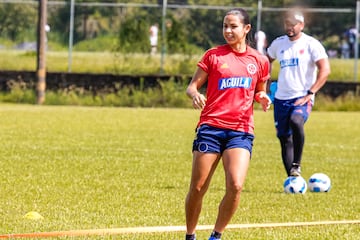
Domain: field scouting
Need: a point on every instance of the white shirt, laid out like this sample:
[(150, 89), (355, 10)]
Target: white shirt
[(260, 37), (154, 35), (297, 64)]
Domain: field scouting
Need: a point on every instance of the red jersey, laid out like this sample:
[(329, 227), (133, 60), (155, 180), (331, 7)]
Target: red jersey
[(232, 78)]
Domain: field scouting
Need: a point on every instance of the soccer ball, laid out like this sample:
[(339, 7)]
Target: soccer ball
[(319, 182), (295, 185)]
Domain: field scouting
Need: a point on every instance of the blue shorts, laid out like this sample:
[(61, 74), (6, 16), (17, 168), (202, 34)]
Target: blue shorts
[(210, 139), (283, 109)]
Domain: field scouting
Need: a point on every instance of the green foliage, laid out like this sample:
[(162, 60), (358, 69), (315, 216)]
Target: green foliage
[(210, 23), (56, 46), (176, 36), (169, 94), (133, 35), (60, 25), (19, 93), (17, 21), (137, 64), (5, 43), (187, 28), (96, 168), (186, 64), (97, 44), (347, 102)]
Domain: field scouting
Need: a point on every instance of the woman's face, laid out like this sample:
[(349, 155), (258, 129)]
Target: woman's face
[(234, 30)]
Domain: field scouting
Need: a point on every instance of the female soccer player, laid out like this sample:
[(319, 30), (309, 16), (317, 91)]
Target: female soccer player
[(236, 75)]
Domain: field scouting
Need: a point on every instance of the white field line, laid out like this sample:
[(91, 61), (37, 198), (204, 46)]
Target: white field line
[(132, 230)]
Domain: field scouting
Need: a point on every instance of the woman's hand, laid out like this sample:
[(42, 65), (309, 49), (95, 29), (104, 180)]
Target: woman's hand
[(198, 101), (262, 98)]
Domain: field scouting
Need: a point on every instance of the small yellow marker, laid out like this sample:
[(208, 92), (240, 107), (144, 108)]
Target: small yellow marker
[(33, 215)]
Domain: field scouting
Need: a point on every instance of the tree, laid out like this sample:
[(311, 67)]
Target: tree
[(133, 35), (17, 21), (89, 21), (189, 26)]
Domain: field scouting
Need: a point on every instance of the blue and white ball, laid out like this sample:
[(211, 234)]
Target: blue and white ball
[(295, 185), (319, 182)]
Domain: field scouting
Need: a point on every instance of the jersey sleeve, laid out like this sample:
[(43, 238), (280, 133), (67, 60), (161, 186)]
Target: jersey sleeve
[(317, 50), (271, 51), (205, 61), (264, 71)]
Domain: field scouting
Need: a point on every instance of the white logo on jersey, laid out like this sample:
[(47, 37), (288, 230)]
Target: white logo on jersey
[(251, 68), (235, 82)]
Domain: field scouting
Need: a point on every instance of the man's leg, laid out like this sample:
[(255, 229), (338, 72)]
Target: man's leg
[(297, 125), (287, 152), (282, 110)]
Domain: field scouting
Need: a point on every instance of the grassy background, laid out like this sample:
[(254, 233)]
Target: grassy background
[(100, 62), (112, 62), (92, 167)]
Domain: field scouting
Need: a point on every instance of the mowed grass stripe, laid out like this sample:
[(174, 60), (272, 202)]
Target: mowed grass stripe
[(163, 229), (100, 168)]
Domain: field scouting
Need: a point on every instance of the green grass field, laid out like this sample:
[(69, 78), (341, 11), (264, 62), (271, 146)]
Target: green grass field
[(92, 167), (118, 63)]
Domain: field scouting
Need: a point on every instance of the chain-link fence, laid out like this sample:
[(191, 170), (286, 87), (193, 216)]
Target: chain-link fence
[(182, 28), (184, 25)]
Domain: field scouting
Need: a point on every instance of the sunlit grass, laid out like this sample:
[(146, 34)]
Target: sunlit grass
[(101, 167), (100, 62), (118, 63), (344, 69)]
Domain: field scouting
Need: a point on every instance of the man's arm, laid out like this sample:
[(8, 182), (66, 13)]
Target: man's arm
[(323, 66), (321, 77), (269, 81)]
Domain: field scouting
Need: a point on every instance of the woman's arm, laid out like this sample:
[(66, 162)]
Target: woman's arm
[(198, 80), (261, 96)]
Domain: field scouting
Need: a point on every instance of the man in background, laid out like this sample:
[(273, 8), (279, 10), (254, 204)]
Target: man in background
[(153, 31), (261, 42), (304, 68)]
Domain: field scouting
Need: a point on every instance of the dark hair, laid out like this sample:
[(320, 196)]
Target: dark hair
[(244, 17), (241, 13)]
